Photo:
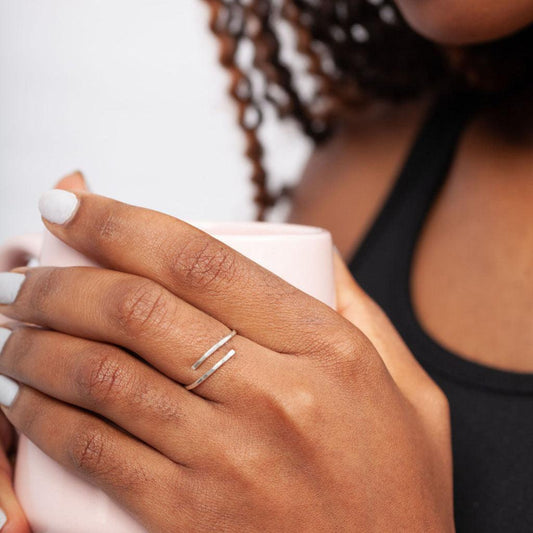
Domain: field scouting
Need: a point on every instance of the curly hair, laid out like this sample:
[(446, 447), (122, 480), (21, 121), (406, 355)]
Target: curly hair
[(355, 51)]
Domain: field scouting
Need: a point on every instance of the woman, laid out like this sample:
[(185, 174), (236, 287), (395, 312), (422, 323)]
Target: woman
[(422, 173)]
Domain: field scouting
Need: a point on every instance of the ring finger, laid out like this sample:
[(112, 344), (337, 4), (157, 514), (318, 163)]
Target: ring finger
[(140, 315), (105, 380), (126, 469)]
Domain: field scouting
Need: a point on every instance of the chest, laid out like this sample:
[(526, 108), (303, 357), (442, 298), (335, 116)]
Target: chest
[(471, 272)]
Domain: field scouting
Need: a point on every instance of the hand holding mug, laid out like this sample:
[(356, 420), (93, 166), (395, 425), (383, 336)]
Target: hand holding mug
[(12, 517), (309, 426)]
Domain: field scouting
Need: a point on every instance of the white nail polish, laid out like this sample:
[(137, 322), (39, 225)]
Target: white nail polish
[(58, 206), (3, 519), (10, 283), (8, 390), (4, 335)]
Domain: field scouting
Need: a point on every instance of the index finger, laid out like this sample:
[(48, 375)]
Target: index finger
[(194, 266)]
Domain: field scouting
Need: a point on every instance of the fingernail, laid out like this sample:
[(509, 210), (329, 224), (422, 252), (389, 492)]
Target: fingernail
[(8, 390), (58, 206), (10, 283), (4, 335), (3, 519)]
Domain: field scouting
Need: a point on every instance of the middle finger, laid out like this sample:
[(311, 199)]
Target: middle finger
[(142, 316)]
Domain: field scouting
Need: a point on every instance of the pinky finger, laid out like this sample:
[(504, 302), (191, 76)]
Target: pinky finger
[(137, 477), (12, 518)]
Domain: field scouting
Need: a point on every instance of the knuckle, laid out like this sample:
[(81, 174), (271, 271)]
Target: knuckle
[(87, 451), (324, 333), (168, 408), (202, 263), (297, 406), (141, 307), (360, 355), (103, 378), (106, 228), (316, 331), (93, 452), (245, 464), (348, 354), (47, 286)]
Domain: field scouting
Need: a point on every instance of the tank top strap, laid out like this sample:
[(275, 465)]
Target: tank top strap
[(382, 262), (423, 172), (431, 155)]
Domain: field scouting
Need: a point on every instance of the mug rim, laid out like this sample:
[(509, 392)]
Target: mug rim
[(266, 229)]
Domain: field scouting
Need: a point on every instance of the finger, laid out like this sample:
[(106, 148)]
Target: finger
[(129, 471), (12, 518), (107, 381), (140, 315), (348, 291), (193, 265)]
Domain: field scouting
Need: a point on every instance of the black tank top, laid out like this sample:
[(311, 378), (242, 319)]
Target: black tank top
[(491, 410)]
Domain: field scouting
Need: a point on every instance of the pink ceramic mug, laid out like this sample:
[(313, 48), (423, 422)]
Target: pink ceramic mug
[(56, 501)]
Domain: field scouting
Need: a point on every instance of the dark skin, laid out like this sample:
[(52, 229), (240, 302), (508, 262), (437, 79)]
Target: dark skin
[(458, 22), (472, 267)]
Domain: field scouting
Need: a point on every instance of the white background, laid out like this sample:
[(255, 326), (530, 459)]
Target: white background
[(130, 92)]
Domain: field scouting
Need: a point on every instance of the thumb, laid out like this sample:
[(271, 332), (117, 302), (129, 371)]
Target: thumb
[(357, 307), (73, 182), (348, 292), (354, 304)]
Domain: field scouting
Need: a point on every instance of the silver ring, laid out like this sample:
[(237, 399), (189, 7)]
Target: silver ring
[(207, 354), (213, 349), (226, 358)]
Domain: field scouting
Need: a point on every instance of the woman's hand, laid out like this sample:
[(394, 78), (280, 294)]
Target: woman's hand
[(304, 429), (12, 517)]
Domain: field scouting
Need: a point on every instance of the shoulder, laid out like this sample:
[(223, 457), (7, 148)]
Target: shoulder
[(348, 177)]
